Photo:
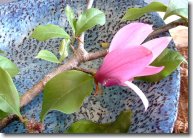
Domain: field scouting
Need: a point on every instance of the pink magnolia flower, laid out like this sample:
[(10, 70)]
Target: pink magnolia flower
[(129, 58)]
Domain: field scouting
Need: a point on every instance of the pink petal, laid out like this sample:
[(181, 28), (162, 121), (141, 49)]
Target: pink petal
[(157, 45), (139, 93), (131, 34), (150, 70), (123, 64)]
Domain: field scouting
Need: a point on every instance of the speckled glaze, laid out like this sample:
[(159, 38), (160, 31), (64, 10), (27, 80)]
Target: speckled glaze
[(18, 19)]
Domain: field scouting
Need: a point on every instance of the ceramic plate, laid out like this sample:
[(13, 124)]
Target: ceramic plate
[(17, 21)]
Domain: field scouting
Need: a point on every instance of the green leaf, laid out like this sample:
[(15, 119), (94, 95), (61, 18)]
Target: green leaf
[(89, 19), (63, 49), (9, 66), (177, 7), (48, 56), (3, 114), (121, 125), (70, 17), (9, 97), (45, 32), (135, 13), (66, 92), (170, 59)]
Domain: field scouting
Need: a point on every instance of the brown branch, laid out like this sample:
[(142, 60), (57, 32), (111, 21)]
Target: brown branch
[(72, 63), (36, 89)]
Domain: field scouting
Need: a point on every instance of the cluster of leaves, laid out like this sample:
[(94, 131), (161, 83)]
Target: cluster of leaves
[(175, 7), (87, 20), (76, 85)]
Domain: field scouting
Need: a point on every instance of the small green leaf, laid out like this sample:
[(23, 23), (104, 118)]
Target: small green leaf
[(135, 13), (1, 52), (121, 125), (177, 7), (45, 32), (105, 45), (89, 19), (170, 59), (70, 17), (9, 66), (66, 92), (9, 97), (63, 49), (48, 56)]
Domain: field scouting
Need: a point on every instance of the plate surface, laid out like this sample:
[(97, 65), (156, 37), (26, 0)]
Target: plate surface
[(18, 19)]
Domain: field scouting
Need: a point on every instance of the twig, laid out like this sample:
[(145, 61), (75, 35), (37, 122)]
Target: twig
[(36, 89), (72, 47), (81, 37), (168, 27), (88, 71), (89, 3), (81, 44), (33, 126), (8, 120)]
